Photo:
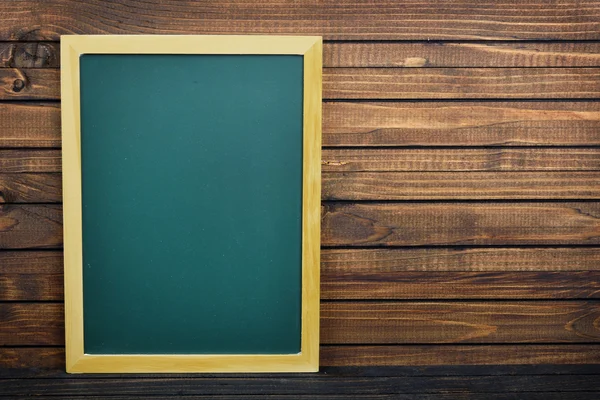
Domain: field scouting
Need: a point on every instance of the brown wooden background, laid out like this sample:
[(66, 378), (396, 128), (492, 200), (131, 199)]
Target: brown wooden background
[(461, 196)]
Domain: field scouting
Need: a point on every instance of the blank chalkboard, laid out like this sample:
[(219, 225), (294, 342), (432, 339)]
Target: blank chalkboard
[(191, 203)]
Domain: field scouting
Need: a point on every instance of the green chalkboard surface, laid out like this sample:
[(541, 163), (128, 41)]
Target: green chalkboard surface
[(192, 203)]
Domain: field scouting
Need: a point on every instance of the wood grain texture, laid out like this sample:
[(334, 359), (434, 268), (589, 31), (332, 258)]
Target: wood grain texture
[(459, 355), (316, 384), (449, 54), (31, 324), (29, 226), (382, 54), (17, 161), (38, 287), (475, 273), (31, 276), (494, 259), (29, 55), (31, 362), (14, 364), (418, 323), (31, 262), (460, 285), (417, 224), (29, 125), (29, 84), (461, 83), (377, 323), (456, 160), (413, 19), (30, 188), (461, 124), (460, 185)]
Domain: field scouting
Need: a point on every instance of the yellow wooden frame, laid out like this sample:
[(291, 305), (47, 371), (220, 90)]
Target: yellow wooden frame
[(72, 46)]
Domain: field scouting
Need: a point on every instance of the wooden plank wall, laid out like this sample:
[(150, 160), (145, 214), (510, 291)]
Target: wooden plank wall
[(461, 196)]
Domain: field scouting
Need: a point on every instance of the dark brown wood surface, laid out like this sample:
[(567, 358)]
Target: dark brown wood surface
[(30, 188), (435, 54), (302, 384), (30, 84), (460, 186), (447, 160), (451, 224), (464, 123), (461, 83), (352, 19), (461, 197)]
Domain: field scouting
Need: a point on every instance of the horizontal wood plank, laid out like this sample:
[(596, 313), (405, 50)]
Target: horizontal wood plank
[(448, 54), (412, 19), (460, 185), (29, 84), (377, 323), (31, 262), (459, 355), (29, 125), (315, 384), (384, 83), (460, 285), (461, 124), (461, 83), (30, 226), (30, 188), (479, 273), (38, 287), (494, 259), (384, 124), (418, 224), (382, 54), (31, 324), (410, 323), (18, 161), (475, 273), (448, 159), (31, 275), (32, 362)]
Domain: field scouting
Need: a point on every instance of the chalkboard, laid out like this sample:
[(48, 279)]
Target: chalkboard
[(193, 213)]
